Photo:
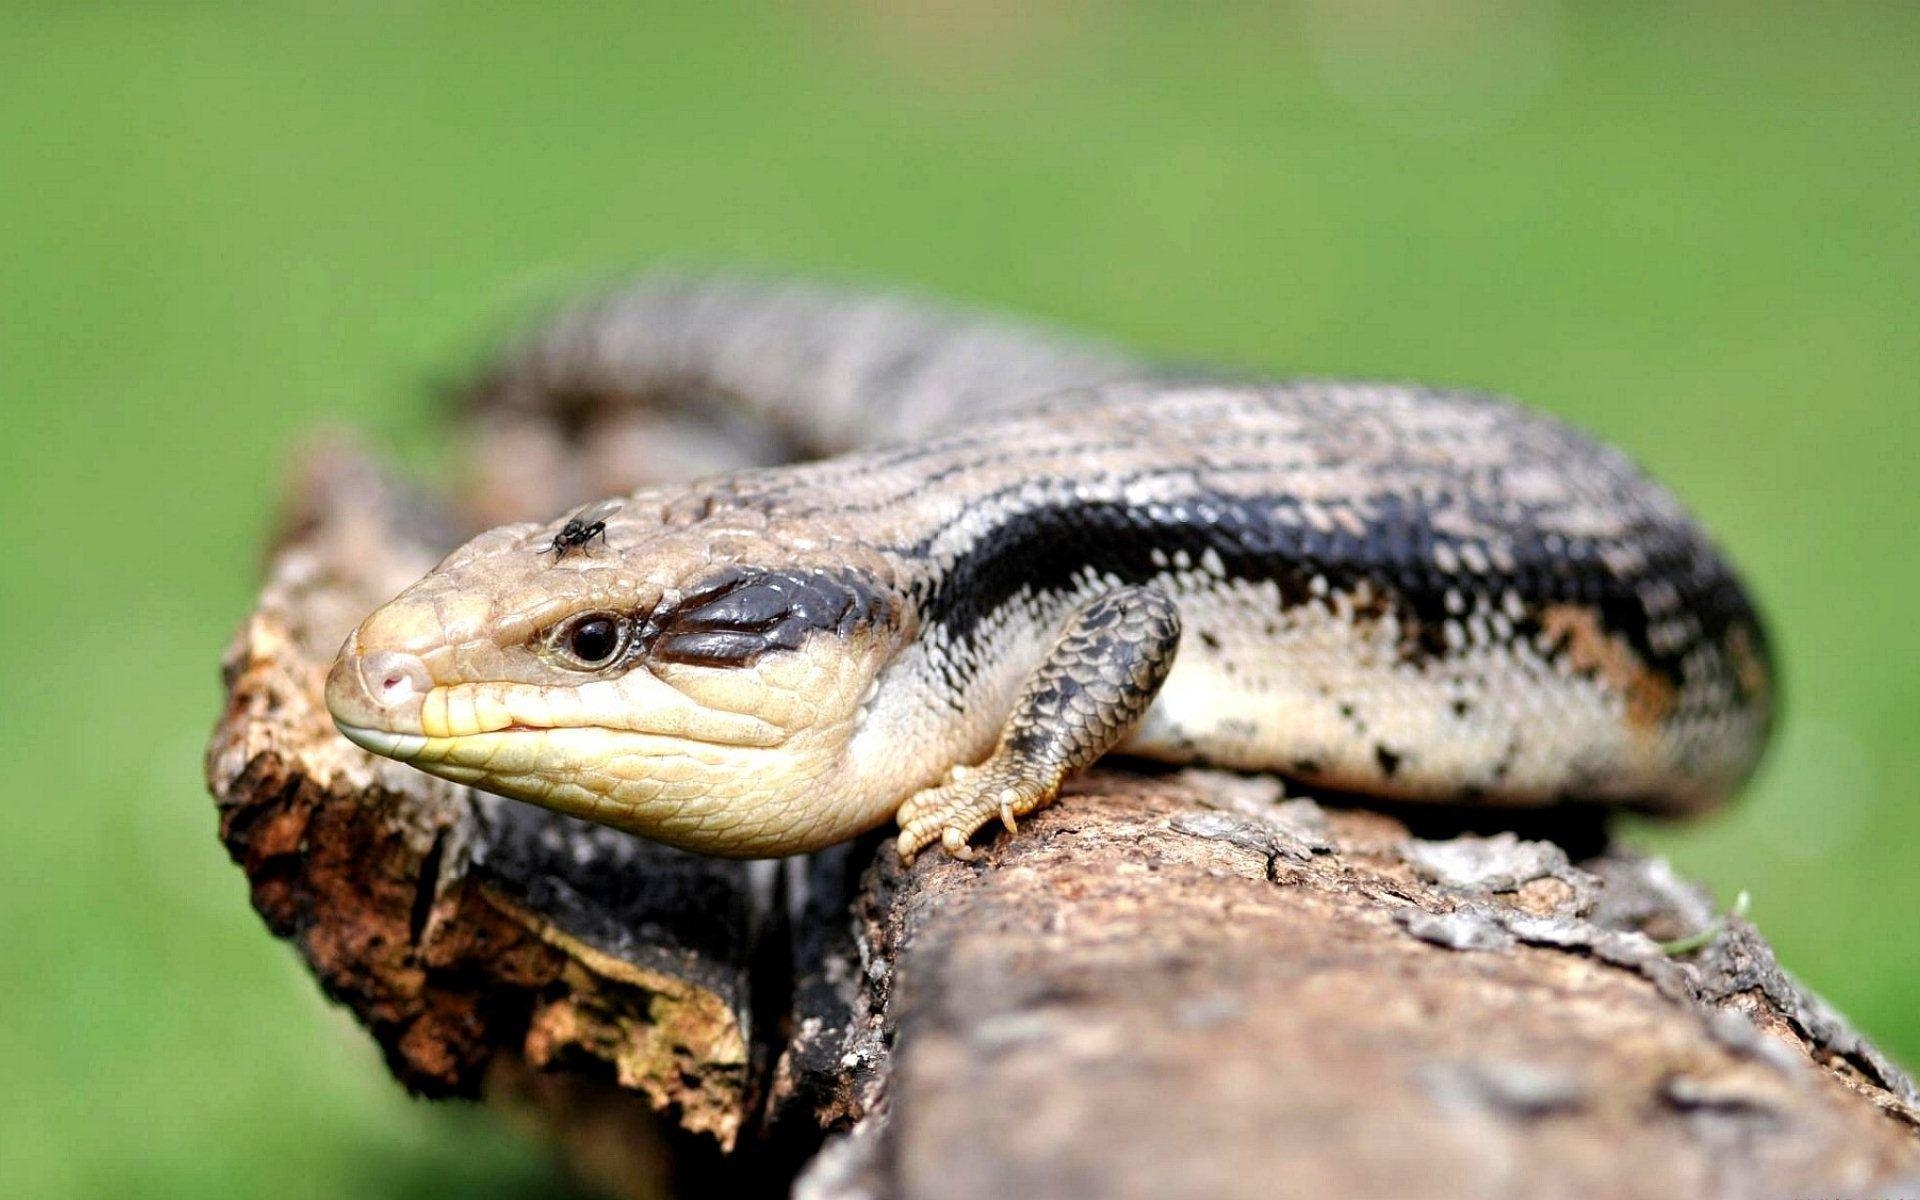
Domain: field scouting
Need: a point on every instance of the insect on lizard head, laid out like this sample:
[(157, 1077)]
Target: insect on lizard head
[(686, 681)]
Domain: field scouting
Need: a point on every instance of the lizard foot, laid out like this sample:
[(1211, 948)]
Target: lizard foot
[(972, 796), (1081, 700)]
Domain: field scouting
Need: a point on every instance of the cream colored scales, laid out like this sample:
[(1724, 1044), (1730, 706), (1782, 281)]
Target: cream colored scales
[(1045, 555)]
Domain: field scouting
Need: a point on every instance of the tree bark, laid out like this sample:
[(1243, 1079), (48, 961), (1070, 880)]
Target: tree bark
[(1172, 984)]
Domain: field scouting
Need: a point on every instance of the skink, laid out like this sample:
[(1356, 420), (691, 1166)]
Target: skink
[(1051, 552)]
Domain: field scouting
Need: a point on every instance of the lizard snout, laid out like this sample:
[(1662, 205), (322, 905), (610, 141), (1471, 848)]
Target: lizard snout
[(380, 691)]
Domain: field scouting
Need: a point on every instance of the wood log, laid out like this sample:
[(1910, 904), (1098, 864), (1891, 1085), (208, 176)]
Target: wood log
[(1182, 986), (1169, 984)]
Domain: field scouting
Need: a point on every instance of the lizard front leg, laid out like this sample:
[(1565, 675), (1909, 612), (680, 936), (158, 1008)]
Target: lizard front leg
[(1088, 693)]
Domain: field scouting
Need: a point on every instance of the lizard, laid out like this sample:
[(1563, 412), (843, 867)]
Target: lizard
[(1014, 553)]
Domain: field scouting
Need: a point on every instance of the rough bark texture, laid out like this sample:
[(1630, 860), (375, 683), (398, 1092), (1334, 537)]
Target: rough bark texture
[(1167, 985), (1178, 986), (475, 938)]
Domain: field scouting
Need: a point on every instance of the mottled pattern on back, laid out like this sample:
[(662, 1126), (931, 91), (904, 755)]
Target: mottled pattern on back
[(1489, 576)]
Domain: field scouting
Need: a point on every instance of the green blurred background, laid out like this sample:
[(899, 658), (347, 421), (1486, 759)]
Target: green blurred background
[(1691, 227)]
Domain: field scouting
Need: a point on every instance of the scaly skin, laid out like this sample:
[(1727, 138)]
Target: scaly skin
[(1415, 594)]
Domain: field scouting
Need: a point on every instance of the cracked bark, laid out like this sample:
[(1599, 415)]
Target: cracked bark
[(1168, 985)]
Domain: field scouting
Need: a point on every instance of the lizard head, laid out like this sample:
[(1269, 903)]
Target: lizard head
[(692, 680)]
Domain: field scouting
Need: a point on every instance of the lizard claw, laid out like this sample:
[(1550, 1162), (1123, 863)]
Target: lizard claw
[(955, 843), (954, 811)]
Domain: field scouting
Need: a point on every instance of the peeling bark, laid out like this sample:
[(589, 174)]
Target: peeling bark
[(459, 927)]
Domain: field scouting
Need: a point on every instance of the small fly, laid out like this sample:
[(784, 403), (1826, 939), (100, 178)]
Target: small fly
[(582, 527)]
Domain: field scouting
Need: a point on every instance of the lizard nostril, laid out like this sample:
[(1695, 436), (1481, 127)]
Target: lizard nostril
[(394, 679)]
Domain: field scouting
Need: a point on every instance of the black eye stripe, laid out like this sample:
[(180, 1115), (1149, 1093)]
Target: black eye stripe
[(714, 649), (788, 634), (749, 606), (730, 619), (735, 616)]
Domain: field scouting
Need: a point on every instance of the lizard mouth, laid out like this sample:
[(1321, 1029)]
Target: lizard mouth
[(384, 742), (660, 786), (407, 746), (522, 748)]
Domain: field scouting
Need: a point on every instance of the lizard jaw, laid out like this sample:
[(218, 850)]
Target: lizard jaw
[(384, 742)]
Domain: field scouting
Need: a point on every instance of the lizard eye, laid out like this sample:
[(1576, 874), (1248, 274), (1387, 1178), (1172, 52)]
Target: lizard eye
[(591, 640)]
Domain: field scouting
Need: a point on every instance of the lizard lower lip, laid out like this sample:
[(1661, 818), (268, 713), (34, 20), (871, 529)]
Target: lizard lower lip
[(383, 742)]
